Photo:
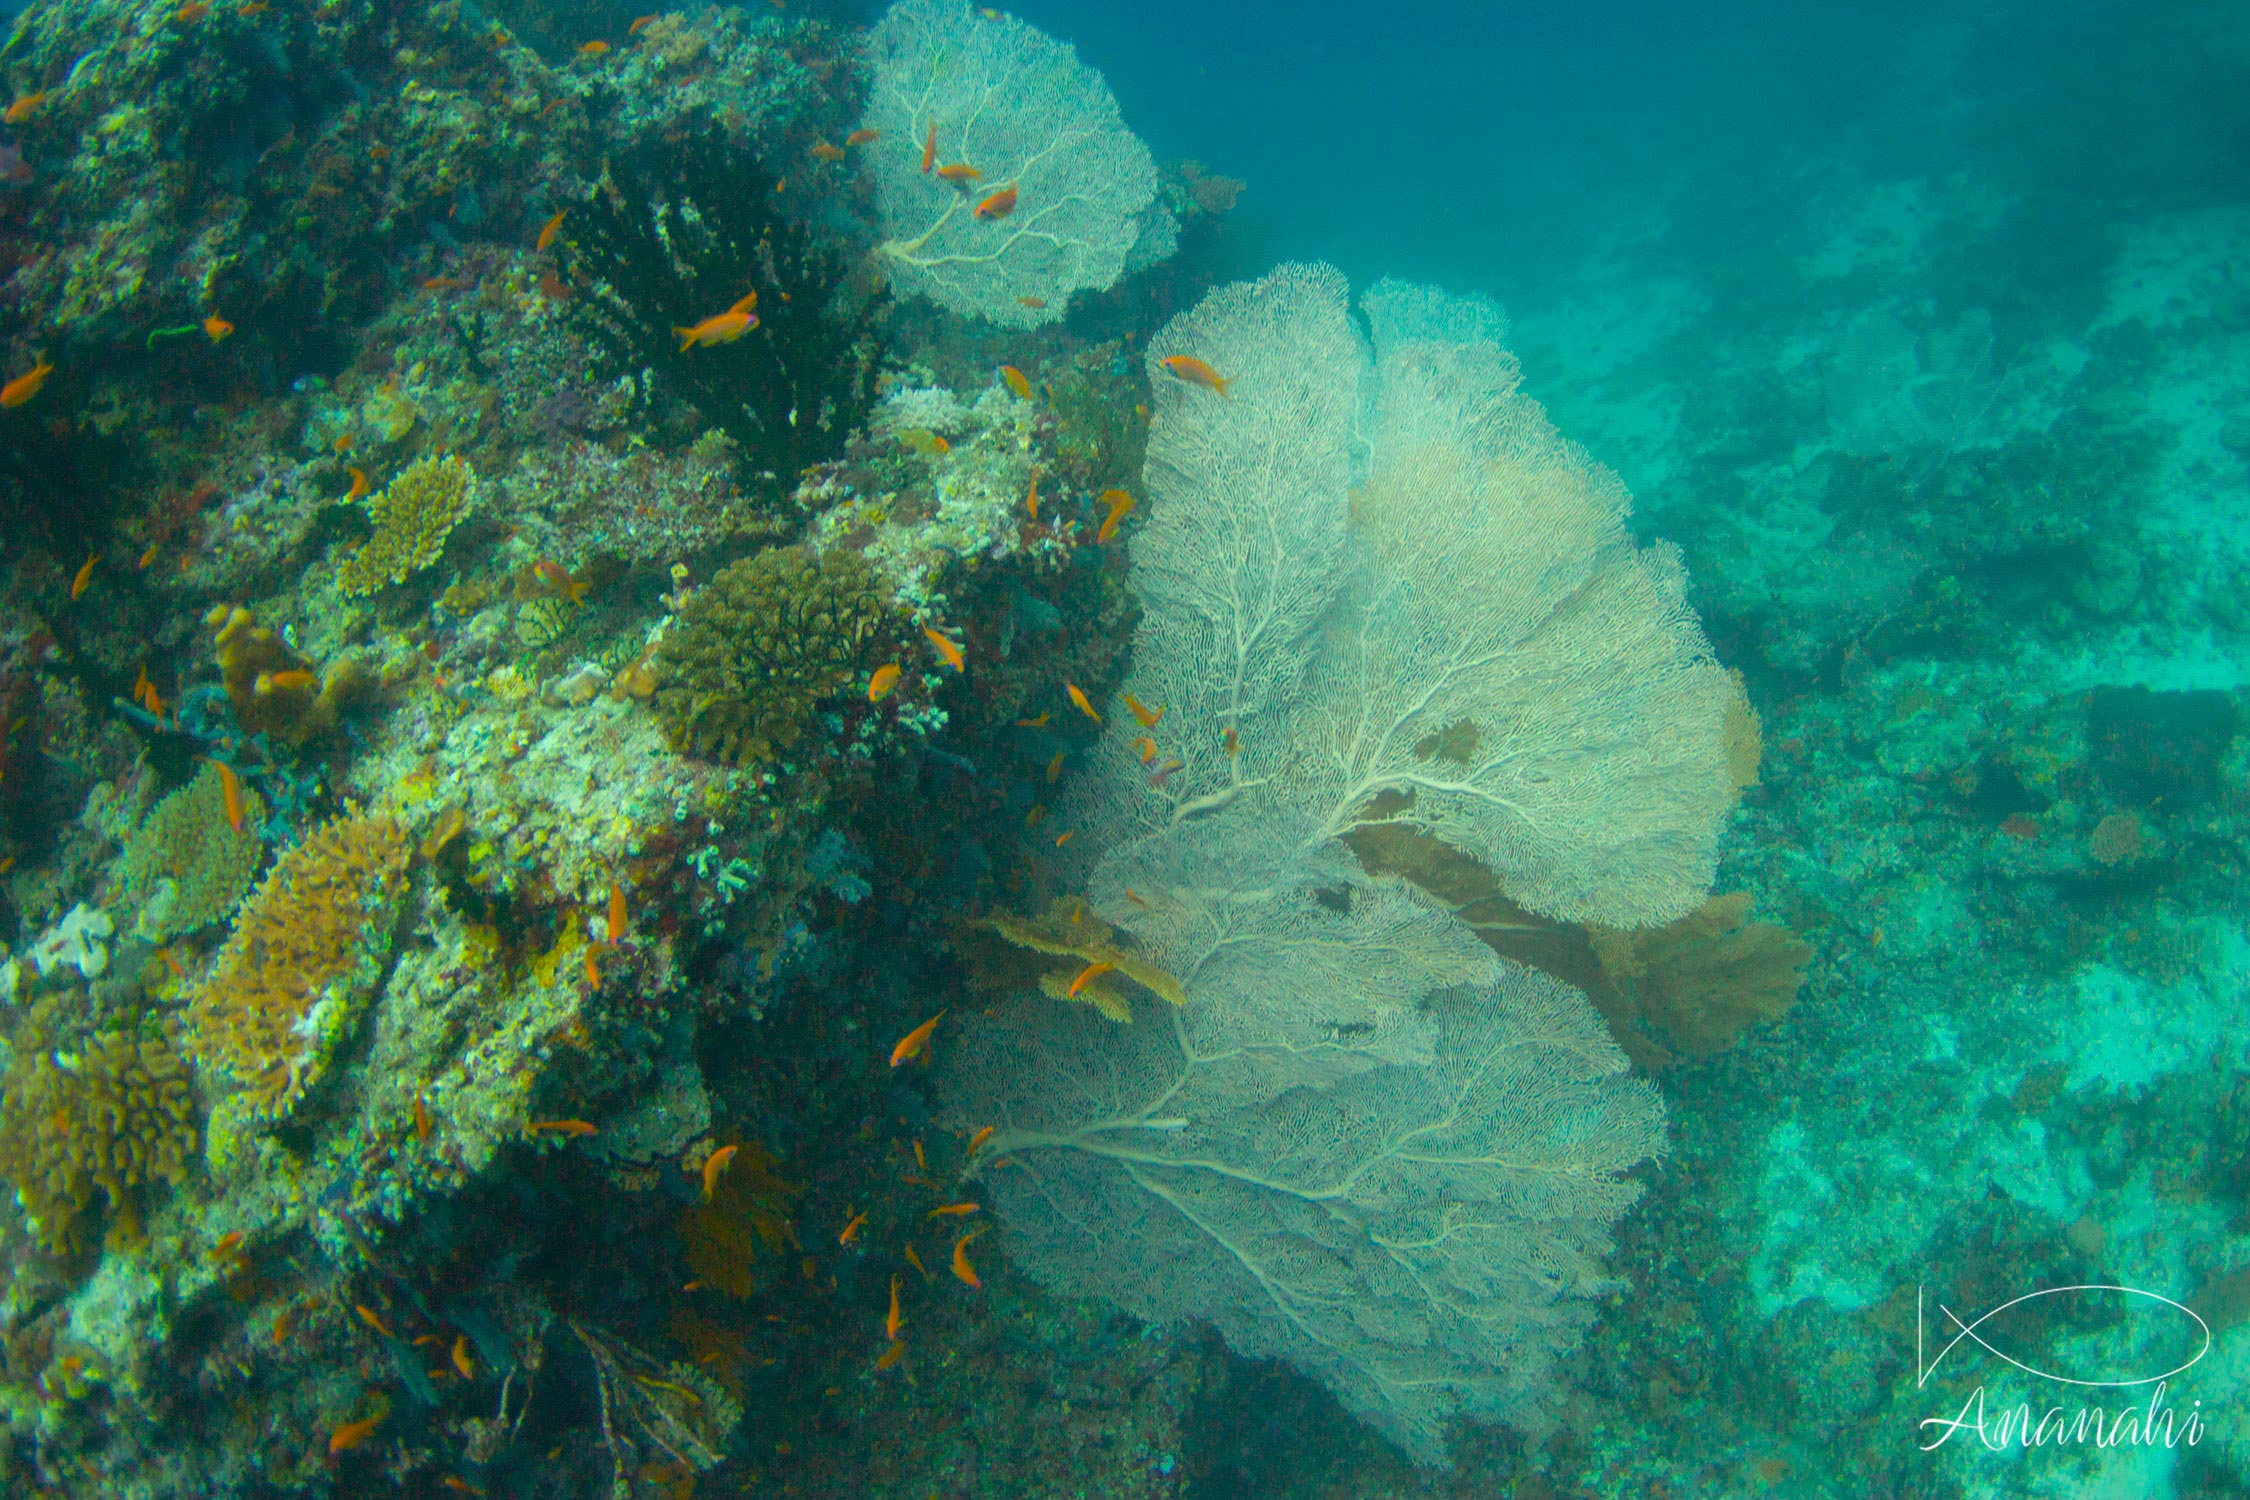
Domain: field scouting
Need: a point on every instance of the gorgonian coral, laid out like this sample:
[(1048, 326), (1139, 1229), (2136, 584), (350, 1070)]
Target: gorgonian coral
[(113, 1115), (766, 645), (304, 956), (413, 516)]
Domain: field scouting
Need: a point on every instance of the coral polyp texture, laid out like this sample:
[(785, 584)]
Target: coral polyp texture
[(413, 516), (1033, 187), (112, 1116), (303, 956), (765, 646), (187, 865)]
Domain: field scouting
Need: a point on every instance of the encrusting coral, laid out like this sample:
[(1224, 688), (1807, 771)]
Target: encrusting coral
[(765, 646), (413, 516), (117, 1114), (186, 864), (284, 986)]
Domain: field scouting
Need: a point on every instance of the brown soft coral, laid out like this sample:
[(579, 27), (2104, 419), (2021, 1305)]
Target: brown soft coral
[(116, 1114), (765, 646), (1067, 929), (301, 960)]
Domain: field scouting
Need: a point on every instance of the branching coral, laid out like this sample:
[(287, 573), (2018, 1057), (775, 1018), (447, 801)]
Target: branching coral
[(186, 864), (115, 1115), (683, 229), (766, 645), (302, 957), (413, 516)]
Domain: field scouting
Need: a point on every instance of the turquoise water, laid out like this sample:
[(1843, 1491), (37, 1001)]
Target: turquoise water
[(1167, 751)]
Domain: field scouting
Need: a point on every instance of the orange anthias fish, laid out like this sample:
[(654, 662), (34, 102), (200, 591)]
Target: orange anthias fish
[(1144, 713), (559, 578), (83, 579), (1032, 500), (424, 1126), (25, 386), (851, 1230), (952, 1210), (959, 171), (640, 24), (193, 12), (823, 151), (217, 328), (1087, 976), (961, 1266), (360, 486), (714, 1164), (231, 785), (1231, 740), (1120, 504), (549, 230), (1078, 699), (1194, 371), (911, 1044), (593, 971), (863, 137), (879, 686), (891, 1355), (893, 1323), (999, 205), (1015, 380), (721, 328), (976, 1142), (352, 1434), (947, 649), (616, 915), (22, 109), (461, 1360), (291, 680), (594, 48), (1145, 748), (373, 1319), (568, 1128), (929, 149)]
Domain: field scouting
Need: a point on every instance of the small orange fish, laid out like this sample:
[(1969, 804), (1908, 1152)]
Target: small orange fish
[(999, 205), (959, 171), (911, 1044), (863, 137), (360, 486), (961, 1267), (284, 1324), (616, 914), (952, 1210), (879, 686), (559, 578), (1145, 748), (443, 284), (890, 1355), (929, 149), (1144, 713), (1195, 372), (595, 48), (291, 680), (1088, 975), (893, 1323), (549, 230), (24, 107), (822, 151), (920, 1160), (373, 1319), (721, 328), (351, 1434), (83, 579), (379, 153), (640, 24), (1031, 818), (916, 1262), (461, 1361), (217, 328), (148, 558), (193, 12), (251, 8), (1054, 768), (567, 1128), (1120, 503), (1015, 380), (1031, 501), (459, 1486), (1079, 699), (851, 1230), (343, 444), (231, 786), (1065, 837), (25, 386), (593, 972), (1038, 723), (714, 1164), (977, 1141), (423, 1124), (224, 1249), (1034, 303), (170, 962), (1231, 741), (947, 649), (1138, 899)]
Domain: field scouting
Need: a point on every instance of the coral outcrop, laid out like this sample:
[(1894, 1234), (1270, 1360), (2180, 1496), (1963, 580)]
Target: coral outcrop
[(766, 646), (187, 865), (112, 1116), (413, 516), (300, 961)]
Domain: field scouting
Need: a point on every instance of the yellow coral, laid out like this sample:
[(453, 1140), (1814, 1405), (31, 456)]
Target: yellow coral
[(116, 1114), (1069, 929), (186, 864), (413, 516), (287, 982)]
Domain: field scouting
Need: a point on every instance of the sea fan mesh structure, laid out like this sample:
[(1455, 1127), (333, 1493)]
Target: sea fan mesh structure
[(1018, 108)]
